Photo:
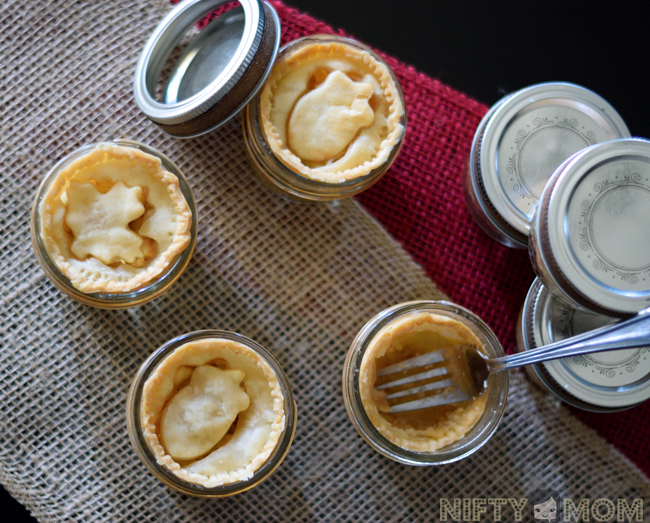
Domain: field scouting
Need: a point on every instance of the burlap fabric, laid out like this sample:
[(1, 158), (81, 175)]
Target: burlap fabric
[(301, 279)]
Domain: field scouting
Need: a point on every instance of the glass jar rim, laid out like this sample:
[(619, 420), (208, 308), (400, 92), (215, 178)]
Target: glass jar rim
[(456, 451), (166, 476), (106, 300)]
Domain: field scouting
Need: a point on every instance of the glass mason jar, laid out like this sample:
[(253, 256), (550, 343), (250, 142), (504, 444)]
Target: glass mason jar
[(280, 178), (518, 145), (143, 450), (478, 204), (111, 300), (479, 433)]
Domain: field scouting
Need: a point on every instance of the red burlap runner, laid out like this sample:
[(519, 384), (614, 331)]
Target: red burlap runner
[(420, 202)]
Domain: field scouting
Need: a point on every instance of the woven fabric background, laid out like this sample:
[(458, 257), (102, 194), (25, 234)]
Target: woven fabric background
[(299, 278)]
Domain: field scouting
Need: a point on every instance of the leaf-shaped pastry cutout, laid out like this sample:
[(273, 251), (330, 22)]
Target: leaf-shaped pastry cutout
[(326, 120), (100, 222), (201, 413)]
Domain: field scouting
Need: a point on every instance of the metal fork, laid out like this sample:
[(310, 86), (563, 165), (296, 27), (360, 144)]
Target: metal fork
[(465, 371)]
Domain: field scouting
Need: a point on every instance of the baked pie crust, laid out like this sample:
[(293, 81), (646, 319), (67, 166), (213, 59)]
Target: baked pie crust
[(425, 430), (217, 407), (331, 112), (114, 220)]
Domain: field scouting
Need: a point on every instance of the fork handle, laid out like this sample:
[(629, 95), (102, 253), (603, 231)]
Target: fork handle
[(628, 334)]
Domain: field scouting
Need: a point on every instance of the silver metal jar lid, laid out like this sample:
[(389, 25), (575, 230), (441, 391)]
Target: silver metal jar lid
[(217, 73), (529, 134), (601, 381), (593, 227)]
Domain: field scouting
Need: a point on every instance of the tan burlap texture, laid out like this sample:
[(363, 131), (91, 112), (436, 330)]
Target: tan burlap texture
[(300, 279)]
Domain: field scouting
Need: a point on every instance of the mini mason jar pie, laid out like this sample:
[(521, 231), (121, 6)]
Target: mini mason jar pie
[(329, 122), (434, 435), (114, 224), (323, 121), (601, 382), (211, 414), (518, 145), (590, 239)]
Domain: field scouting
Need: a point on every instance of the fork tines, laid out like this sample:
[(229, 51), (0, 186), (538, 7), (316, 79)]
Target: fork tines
[(422, 361)]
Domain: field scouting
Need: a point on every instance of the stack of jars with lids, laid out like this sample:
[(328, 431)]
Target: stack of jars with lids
[(553, 169)]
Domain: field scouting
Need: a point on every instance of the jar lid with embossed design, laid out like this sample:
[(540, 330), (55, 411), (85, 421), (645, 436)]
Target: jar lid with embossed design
[(520, 143), (603, 381), (590, 241)]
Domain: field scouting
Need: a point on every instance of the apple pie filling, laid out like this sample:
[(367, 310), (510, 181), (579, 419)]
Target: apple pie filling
[(423, 430), (114, 220), (212, 412), (331, 112)]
